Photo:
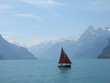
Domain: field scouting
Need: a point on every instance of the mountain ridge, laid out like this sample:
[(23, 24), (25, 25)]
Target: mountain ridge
[(10, 51), (89, 45), (106, 52)]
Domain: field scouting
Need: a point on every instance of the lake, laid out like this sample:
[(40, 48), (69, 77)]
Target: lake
[(46, 71)]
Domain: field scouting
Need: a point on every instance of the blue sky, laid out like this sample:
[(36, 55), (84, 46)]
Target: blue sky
[(30, 22)]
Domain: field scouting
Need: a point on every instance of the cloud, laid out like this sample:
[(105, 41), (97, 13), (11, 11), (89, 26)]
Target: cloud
[(4, 6), (43, 3), (29, 15)]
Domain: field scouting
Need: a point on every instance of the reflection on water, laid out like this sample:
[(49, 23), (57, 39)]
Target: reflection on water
[(64, 72), (64, 75)]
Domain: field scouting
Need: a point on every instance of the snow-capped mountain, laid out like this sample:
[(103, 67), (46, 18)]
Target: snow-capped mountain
[(10, 51), (72, 38), (92, 42), (52, 49), (89, 45)]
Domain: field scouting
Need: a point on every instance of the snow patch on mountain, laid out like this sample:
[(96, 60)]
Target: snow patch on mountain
[(88, 45)]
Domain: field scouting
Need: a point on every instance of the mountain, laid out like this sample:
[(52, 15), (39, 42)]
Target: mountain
[(51, 50), (106, 52), (1, 57), (92, 42), (41, 48), (10, 51), (89, 45)]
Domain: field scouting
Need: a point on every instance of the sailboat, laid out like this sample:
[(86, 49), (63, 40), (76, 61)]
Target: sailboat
[(64, 61)]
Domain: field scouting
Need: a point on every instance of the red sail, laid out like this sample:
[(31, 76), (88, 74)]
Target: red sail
[(64, 58)]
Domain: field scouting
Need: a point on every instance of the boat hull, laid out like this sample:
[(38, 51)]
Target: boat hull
[(64, 66)]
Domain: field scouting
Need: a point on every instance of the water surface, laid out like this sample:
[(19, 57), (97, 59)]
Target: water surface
[(46, 71)]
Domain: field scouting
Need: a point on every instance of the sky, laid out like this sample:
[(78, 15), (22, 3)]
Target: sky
[(30, 22)]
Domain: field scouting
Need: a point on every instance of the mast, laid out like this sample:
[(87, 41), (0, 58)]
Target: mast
[(64, 58)]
